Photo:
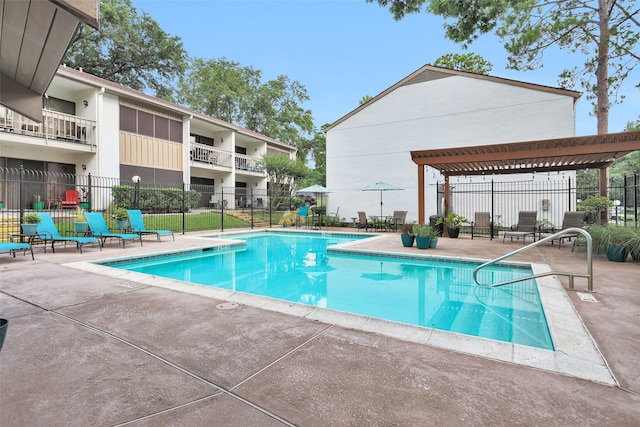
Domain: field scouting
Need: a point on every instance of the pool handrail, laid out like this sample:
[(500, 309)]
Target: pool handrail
[(572, 230)]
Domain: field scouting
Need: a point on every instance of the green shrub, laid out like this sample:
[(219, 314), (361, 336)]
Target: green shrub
[(156, 199)]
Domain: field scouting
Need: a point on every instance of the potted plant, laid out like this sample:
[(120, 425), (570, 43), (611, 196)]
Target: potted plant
[(423, 235), (121, 216), (84, 204), (453, 221), (594, 206), (81, 222), (433, 233), (38, 204), (617, 240), (613, 240), (289, 218), (30, 223), (406, 235), (633, 245)]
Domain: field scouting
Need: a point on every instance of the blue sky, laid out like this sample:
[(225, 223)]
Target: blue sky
[(342, 50)]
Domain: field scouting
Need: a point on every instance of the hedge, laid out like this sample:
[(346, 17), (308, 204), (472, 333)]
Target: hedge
[(155, 199)]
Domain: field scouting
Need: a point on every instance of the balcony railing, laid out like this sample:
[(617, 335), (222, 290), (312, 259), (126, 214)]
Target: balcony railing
[(248, 163), (208, 154), (55, 125)]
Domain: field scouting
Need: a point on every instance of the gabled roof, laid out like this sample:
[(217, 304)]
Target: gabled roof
[(571, 153), (430, 72), (133, 94)]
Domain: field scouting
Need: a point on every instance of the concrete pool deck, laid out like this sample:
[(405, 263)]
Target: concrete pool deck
[(83, 348)]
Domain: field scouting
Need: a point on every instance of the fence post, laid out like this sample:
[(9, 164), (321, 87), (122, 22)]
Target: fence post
[(251, 205), (89, 193), (21, 185), (493, 218), (183, 207), (222, 210)]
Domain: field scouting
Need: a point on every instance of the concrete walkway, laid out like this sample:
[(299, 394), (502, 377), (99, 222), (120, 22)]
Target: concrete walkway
[(91, 349)]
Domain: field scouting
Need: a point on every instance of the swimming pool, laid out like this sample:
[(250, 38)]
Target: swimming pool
[(297, 267)]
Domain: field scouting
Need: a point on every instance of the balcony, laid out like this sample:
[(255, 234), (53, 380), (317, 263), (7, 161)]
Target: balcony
[(59, 126), (249, 164), (204, 153)]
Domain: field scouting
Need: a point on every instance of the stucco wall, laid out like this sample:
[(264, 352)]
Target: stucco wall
[(375, 144)]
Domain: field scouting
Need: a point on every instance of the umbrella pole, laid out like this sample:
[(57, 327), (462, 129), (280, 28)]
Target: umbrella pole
[(380, 203)]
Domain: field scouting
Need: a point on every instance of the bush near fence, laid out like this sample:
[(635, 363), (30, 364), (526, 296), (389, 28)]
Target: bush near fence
[(155, 200)]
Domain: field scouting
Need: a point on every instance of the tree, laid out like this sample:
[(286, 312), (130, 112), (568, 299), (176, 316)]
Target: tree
[(365, 99), (283, 175), (470, 62), (605, 32), (231, 92), (130, 49)]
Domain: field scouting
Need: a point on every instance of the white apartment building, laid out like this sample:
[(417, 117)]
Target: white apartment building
[(91, 125), (436, 108)]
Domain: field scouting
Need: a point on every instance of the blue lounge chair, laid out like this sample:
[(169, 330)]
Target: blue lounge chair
[(48, 228), (13, 247), (137, 225), (99, 228)]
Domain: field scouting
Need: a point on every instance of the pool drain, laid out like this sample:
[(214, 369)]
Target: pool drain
[(227, 305)]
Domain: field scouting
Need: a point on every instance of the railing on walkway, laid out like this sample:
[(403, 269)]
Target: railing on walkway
[(556, 236)]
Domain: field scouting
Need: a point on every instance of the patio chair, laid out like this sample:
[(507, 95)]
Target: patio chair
[(526, 226), (214, 201), (363, 222), (13, 247), (48, 228), (99, 229), (137, 225), (482, 224), (398, 218), (570, 219), (70, 200)]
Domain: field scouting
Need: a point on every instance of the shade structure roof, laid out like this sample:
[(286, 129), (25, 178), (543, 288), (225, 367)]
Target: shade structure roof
[(571, 153)]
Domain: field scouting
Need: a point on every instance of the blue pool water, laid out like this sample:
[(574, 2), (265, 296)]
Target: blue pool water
[(435, 294)]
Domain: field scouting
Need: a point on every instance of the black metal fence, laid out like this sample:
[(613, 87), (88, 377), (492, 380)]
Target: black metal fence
[(550, 198), (178, 207)]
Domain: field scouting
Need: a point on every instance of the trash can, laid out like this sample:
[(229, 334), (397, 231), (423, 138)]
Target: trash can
[(433, 219)]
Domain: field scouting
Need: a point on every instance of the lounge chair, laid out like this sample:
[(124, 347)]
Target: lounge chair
[(99, 229), (482, 224), (398, 218), (48, 228), (13, 247), (363, 222), (571, 219), (526, 226), (137, 225)]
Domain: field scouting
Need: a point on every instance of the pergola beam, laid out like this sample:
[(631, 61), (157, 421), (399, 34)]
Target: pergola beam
[(551, 155)]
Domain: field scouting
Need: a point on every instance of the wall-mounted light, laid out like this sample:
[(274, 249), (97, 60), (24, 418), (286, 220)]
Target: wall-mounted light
[(221, 180), (256, 184), (86, 103), (221, 140), (84, 168)]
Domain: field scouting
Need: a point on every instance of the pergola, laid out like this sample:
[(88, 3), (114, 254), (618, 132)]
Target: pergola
[(561, 154)]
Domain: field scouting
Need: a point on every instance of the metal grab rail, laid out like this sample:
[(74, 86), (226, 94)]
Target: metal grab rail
[(573, 230)]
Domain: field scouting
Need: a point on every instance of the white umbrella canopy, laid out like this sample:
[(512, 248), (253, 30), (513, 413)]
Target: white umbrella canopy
[(381, 186), (317, 189)]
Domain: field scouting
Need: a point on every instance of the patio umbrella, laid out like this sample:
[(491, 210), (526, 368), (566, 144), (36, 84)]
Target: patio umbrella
[(316, 189), (380, 186)]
